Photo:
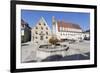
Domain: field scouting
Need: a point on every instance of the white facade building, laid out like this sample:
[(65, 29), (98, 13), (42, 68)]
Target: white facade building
[(69, 31), (41, 33)]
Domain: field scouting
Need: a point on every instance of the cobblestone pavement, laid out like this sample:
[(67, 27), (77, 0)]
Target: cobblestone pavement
[(28, 50), (79, 48)]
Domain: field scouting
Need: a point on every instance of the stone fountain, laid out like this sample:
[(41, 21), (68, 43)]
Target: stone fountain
[(53, 48)]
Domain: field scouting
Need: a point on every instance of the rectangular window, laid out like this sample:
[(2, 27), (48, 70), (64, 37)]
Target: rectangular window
[(42, 28), (46, 33), (46, 37), (61, 28), (41, 37)]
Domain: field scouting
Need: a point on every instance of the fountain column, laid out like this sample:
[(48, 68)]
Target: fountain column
[(54, 26)]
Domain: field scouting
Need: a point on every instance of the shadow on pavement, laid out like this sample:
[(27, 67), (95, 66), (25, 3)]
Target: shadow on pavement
[(67, 58), (53, 58)]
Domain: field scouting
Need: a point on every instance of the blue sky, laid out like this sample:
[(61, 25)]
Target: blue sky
[(33, 16)]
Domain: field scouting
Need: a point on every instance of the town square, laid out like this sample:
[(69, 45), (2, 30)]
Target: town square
[(60, 40)]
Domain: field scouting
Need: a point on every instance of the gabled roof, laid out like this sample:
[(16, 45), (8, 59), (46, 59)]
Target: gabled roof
[(68, 25), (43, 20)]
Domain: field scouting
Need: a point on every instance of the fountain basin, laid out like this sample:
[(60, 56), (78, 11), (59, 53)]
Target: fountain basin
[(45, 51)]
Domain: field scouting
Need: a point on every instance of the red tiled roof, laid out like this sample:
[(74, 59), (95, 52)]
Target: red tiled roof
[(67, 25)]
